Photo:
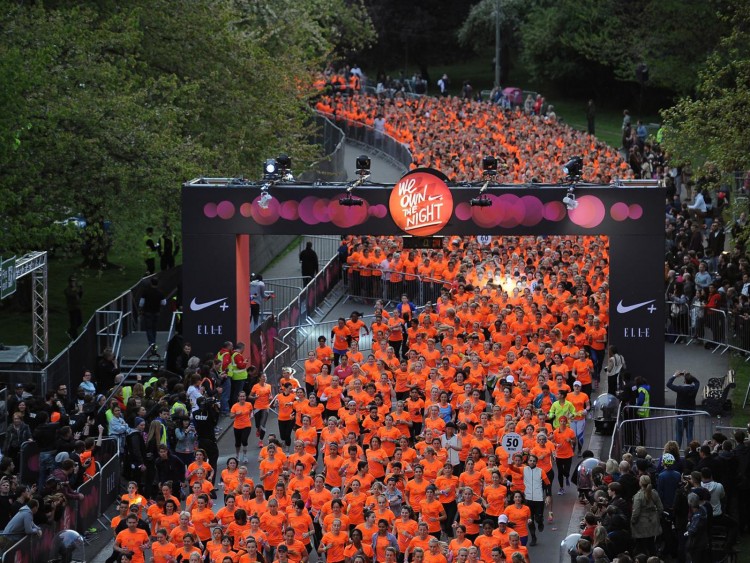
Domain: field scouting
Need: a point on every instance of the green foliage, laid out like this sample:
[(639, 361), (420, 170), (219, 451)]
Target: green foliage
[(604, 40), (109, 108), (712, 130)]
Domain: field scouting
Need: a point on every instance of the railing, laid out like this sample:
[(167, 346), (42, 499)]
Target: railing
[(276, 340), (373, 140), (724, 330), (419, 289), (99, 493), (661, 426), (330, 168), (280, 294), (325, 247)]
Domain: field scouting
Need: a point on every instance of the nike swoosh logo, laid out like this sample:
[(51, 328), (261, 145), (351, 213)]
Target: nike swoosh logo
[(195, 306), (627, 308), (434, 197)]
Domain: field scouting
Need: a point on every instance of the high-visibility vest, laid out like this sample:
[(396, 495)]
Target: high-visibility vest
[(126, 392), (148, 252), (643, 410), (234, 372)]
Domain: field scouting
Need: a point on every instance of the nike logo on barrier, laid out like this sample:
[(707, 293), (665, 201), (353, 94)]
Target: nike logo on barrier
[(195, 306), (627, 308)]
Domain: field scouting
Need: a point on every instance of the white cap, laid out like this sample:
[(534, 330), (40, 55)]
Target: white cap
[(510, 379), (502, 519), (576, 382)]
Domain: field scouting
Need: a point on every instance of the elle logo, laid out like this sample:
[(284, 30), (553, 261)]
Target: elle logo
[(637, 332), (210, 330)]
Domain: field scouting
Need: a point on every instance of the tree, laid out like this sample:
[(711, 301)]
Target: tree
[(712, 129), (110, 106), (478, 28), (607, 39)]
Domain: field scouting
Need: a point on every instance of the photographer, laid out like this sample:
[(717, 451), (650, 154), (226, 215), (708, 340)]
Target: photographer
[(686, 393), (205, 419)]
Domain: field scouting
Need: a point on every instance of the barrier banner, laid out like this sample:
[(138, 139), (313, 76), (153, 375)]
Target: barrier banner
[(107, 450), (109, 484), (33, 548), (28, 471), (88, 508)]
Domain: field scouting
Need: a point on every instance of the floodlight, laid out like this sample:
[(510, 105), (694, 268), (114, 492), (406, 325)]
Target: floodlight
[(481, 201), (283, 163), (570, 199), (350, 201), (573, 168), (489, 165), (270, 169), (363, 165)]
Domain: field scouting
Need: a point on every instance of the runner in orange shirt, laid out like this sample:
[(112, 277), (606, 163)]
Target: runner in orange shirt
[(240, 413), (342, 337), (132, 541), (260, 396)]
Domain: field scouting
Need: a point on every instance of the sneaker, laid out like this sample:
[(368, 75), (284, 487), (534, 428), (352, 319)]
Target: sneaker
[(260, 444), (533, 540), (550, 517), (561, 492), (567, 482)]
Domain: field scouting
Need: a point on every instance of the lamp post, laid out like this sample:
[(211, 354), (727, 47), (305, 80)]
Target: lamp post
[(497, 43)]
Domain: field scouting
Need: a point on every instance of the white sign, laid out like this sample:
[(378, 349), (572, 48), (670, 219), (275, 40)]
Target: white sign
[(485, 240), (511, 443)]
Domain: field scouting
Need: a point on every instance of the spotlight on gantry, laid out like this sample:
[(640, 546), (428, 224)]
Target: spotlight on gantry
[(573, 168)]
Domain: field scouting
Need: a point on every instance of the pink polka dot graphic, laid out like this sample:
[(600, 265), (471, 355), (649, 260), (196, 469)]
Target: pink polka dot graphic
[(619, 211), (589, 213), (209, 210), (343, 216), (635, 212), (512, 211), (266, 216), (463, 211), (534, 211), (306, 212), (225, 209), (289, 210), (320, 210), (378, 211), (554, 211), (246, 209)]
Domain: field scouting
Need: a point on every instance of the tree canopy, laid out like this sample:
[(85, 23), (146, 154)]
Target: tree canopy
[(712, 129), (107, 107)]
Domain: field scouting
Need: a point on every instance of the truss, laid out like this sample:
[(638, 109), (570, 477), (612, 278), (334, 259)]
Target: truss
[(35, 263)]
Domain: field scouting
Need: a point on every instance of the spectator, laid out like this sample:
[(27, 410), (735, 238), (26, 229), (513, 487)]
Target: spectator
[(309, 261), (685, 401), (22, 523)]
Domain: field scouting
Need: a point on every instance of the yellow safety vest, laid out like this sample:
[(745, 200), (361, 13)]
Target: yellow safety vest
[(644, 410)]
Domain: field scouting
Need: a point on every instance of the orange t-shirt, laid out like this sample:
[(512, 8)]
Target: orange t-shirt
[(560, 438), (202, 520), (335, 545), (469, 516), (242, 415), (162, 552), (263, 394), (404, 532), (273, 525), (495, 497), (273, 466), (133, 541), (519, 517), (431, 514)]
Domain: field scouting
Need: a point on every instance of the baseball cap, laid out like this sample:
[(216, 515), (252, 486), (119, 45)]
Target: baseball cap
[(563, 418), (667, 459), (502, 519), (510, 379), (576, 383)]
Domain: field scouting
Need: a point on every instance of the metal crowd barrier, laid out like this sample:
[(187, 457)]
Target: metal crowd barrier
[(709, 326), (370, 288), (325, 247), (373, 140), (661, 426), (100, 492)]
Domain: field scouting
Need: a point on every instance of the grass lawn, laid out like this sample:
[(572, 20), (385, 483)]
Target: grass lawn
[(99, 287)]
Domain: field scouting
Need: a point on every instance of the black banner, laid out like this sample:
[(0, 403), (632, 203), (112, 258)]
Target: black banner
[(209, 293), (109, 484), (89, 507)]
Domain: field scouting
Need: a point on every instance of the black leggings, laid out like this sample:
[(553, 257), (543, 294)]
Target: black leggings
[(241, 436), (563, 470), (261, 416), (285, 431)]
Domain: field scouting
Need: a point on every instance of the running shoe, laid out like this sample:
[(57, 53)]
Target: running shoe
[(561, 492)]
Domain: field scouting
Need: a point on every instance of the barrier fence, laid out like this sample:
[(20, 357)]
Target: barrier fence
[(276, 339), (373, 284), (661, 426), (724, 330), (373, 140), (326, 247), (99, 493)]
